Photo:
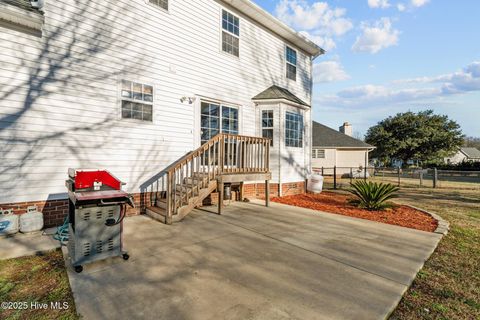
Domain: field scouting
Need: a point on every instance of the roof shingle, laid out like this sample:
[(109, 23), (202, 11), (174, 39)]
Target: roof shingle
[(324, 136), (472, 153), (276, 92)]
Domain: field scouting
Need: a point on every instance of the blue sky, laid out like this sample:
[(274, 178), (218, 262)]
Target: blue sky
[(389, 56)]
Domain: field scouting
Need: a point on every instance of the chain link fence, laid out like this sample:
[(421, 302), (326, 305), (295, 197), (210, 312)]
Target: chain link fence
[(342, 177)]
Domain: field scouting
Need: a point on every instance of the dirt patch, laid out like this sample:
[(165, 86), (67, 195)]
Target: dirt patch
[(399, 215)]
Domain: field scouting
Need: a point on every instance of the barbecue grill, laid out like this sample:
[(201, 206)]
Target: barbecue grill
[(97, 207)]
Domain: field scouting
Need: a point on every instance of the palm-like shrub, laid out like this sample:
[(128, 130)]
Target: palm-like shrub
[(372, 195)]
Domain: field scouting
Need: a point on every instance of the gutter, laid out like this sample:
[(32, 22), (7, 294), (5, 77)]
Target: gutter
[(258, 14), (21, 17)]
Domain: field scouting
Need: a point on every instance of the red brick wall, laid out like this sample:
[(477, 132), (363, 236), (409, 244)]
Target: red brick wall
[(55, 211)]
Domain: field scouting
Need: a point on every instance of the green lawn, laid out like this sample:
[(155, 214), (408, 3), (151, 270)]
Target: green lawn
[(36, 279), (448, 287)]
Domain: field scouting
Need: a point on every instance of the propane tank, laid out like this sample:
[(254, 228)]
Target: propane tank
[(8, 222), (31, 221), (315, 183)]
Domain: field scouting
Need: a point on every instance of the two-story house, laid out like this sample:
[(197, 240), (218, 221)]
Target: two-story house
[(132, 86)]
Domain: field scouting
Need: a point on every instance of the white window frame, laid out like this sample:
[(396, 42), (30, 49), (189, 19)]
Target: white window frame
[(272, 128), (220, 116), (158, 7), (230, 33), (122, 98), (302, 130), (287, 63), (318, 153)]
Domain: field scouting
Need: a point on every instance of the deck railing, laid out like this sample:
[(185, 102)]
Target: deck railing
[(222, 154)]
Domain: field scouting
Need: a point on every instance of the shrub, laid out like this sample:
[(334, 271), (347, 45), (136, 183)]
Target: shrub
[(372, 195)]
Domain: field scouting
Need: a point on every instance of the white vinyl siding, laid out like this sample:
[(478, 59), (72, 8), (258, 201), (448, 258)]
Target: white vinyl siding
[(61, 104)]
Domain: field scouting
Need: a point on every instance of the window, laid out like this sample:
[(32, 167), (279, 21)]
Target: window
[(230, 33), (267, 125), (216, 118), (160, 3), (137, 101), (293, 130), (318, 153), (291, 61)]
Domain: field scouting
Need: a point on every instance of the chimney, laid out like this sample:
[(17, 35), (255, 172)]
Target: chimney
[(346, 128)]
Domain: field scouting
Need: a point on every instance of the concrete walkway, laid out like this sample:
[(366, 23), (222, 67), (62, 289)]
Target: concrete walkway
[(255, 263), (20, 245)]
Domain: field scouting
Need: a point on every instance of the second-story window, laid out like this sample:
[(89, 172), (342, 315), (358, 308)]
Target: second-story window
[(160, 3), (230, 33), (291, 61)]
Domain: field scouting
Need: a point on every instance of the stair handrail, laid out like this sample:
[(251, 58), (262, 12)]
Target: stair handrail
[(231, 154)]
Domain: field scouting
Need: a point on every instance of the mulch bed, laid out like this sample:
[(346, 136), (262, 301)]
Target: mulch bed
[(398, 215)]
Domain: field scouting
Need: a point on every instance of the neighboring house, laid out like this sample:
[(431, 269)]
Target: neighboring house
[(133, 86), (332, 148), (464, 155)]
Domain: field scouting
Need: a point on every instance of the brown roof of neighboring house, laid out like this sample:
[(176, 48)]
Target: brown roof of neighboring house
[(276, 92), (324, 136)]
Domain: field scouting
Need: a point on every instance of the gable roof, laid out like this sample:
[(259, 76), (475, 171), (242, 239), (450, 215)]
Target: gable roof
[(324, 136), (472, 153), (276, 92), (256, 13)]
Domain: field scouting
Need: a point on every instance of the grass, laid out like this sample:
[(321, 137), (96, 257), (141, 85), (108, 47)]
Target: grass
[(41, 279), (408, 182), (448, 287)]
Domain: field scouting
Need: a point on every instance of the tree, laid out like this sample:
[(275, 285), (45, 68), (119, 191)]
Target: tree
[(473, 142), (422, 136)]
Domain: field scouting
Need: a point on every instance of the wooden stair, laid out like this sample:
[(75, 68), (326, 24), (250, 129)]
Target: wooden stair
[(187, 182), (159, 211)]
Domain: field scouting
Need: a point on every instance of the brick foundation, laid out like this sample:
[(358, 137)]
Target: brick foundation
[(55, 211)]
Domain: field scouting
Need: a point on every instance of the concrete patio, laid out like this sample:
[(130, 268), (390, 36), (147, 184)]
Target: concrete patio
[(255, 263)]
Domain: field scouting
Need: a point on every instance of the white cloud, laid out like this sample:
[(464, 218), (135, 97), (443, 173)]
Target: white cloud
[(383, 4), (318, 21), (438, 88), (376, 36), (419, 3), (401, 7), (329, 71)]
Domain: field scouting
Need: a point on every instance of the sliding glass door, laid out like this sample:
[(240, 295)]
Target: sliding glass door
[(218, 118)]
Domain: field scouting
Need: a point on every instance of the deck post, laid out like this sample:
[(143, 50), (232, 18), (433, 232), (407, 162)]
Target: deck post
[(267, 193), (240, 192), (220, 196), (170, 199)]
